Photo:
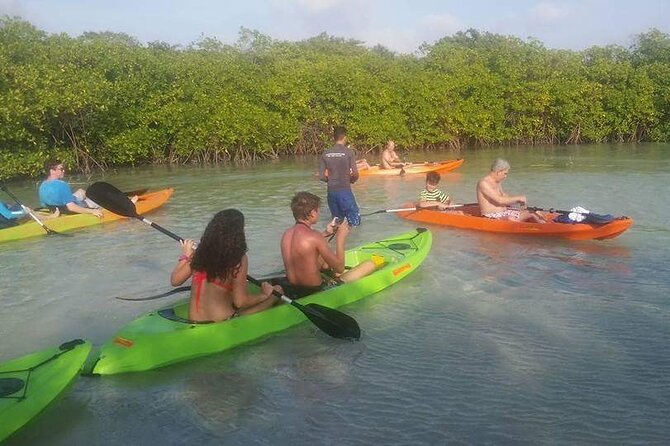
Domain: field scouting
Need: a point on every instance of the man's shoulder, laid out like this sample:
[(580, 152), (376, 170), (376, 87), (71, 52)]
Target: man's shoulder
[(305, 232), (46, 184), (53, 182), (336, 151)]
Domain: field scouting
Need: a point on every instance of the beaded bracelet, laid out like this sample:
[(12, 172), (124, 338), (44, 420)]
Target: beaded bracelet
[(184, 257)]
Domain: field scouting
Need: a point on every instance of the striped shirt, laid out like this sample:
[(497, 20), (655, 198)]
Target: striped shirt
[(435, 195)]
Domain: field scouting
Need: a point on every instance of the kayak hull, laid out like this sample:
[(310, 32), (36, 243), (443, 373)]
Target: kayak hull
[(41, 385), (145, 203), (154, 341), (416, 168), (472, 220)]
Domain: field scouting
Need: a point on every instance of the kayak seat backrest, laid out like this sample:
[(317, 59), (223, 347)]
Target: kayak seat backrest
[(9, 386), (471, 209), (168, 313)]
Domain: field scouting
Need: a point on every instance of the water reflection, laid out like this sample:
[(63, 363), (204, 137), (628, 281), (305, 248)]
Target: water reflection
[(219, 401)]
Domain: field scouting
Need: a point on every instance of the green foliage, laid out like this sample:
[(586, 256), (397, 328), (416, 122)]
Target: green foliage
[(105, 99)]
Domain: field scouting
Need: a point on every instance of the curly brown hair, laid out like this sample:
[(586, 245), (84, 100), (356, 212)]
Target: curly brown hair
[(222, 246)]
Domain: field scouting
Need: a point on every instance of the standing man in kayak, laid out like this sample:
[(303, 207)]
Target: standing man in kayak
[(495, 203), (340, 163), (55, 193), (306, 253), (390, 159)]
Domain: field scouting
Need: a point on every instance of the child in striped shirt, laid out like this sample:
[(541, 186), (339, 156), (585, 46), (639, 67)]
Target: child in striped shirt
[(431, 196)]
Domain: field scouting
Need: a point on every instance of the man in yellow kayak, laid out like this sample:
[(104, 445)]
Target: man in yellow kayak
[(306, 253), (495, 203), (55, 193)]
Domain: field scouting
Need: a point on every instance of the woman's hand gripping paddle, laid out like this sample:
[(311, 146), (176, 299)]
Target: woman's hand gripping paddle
[(332, 322)]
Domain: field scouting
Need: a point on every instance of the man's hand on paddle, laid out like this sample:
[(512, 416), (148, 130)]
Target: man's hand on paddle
[(342, 230)]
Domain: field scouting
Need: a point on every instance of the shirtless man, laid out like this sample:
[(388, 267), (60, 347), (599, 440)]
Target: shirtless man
[(494, 202), (306, 253), (390, 159)]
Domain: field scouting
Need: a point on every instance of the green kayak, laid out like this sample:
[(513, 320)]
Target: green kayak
[(165, 337), (30, 383)]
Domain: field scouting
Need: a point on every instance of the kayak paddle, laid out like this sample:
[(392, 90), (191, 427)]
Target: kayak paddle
[(157, 296), (332, 322), (27, 210), (415, 208), (589, 217), (112, 199)]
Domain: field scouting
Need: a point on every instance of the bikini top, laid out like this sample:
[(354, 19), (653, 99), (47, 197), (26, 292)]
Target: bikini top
[(201, 276)]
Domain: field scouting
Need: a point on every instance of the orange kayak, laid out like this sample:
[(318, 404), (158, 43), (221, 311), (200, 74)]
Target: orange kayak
[(145, 203), (471, 219), (414, 168)]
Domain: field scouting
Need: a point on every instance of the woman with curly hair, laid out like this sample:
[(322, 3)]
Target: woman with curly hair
[(219, 269)]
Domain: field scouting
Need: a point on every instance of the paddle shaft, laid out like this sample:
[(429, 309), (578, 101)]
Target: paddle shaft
[(275, 292), (27, 210), (552, 210), (415, 208), (157, 296), (159, 227)]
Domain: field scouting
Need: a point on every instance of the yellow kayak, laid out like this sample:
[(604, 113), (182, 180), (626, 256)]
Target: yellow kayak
[(145, 203)]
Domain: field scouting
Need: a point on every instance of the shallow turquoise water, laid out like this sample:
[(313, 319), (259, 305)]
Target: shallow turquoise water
[(495, 339)]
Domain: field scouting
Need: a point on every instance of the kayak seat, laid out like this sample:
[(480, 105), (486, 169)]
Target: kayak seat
[(9, 386)]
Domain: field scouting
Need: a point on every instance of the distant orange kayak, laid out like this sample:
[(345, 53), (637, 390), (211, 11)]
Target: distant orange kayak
[(414, 168), (471, 219)]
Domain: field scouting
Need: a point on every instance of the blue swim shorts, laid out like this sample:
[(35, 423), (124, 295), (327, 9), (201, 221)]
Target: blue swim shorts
[(342, 204)]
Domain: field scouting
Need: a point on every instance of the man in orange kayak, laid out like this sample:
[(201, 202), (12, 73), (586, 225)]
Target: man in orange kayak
[(390, 159), (306, 253), (495, 203)]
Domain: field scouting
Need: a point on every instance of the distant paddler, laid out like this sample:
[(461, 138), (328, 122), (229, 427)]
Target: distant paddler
[(389, 158)]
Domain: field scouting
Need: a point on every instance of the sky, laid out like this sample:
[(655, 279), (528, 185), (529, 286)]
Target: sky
[(399, 25)]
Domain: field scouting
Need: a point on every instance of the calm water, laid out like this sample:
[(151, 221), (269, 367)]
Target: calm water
[(494, 340)]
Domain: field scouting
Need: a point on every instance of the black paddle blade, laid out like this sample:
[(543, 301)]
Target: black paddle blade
[(332, 322), (112, 199)]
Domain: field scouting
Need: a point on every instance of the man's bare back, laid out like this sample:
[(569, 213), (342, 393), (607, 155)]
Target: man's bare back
[(305, 251), (301, 248)]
